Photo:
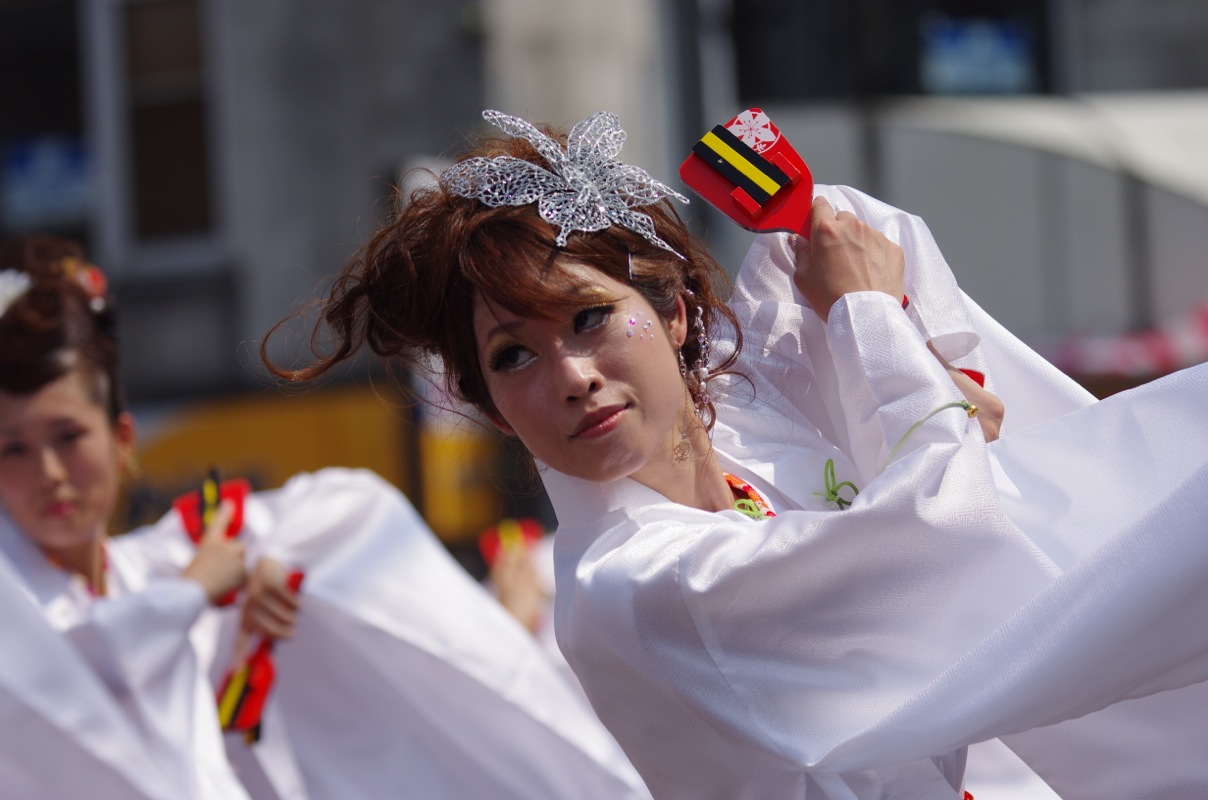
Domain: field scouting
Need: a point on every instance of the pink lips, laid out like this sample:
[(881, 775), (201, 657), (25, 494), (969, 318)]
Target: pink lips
[(599, 423), (60, 509)]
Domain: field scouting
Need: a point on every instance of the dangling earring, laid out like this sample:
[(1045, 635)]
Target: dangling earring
[(700, 368), (683, 448)]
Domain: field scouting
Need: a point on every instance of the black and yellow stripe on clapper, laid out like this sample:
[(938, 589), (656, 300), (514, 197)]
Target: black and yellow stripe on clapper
[(244, 692), (740, 165), (232, 697)]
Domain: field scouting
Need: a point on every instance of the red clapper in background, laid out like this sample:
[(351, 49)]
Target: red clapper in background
[(244, 690), (197, 508), (509, 534), (749, 171)]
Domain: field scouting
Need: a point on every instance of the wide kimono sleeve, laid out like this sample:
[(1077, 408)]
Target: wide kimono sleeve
[(1102, 470), (51, 748), (136, 647), (811, 373), (139, 646), (429, 682), (918, 620), (404, 673)]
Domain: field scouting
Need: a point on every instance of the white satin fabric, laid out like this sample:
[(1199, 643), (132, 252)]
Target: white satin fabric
[(971, 591), (404, 677), (994, 772)]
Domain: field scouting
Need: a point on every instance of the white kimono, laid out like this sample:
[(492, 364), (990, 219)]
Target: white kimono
[(971, 591), (103, 699), (404, 677)]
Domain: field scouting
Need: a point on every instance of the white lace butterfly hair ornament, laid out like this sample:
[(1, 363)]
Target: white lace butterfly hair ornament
[(585, 188)]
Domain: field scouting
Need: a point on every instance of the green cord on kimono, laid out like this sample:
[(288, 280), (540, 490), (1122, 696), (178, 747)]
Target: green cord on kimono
[(832, 496)]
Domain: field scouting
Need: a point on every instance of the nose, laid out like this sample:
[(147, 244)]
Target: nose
[(579, 377), (53, 471)]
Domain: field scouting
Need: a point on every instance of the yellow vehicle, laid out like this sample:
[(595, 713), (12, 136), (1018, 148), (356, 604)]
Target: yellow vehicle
[(452, 468)]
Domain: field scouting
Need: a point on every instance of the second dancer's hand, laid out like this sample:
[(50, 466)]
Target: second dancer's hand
[(218, 563)]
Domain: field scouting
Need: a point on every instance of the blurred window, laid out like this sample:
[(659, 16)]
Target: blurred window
[(46, 164), (167, 119), (789, 50)]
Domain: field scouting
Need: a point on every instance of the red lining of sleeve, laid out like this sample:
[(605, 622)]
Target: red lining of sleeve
[(978, 377)]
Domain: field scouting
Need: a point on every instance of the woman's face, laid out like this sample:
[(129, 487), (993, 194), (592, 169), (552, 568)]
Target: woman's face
[(594, 393), (60, 462)]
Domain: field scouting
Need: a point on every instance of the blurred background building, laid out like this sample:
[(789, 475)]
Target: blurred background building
[(220, 158)]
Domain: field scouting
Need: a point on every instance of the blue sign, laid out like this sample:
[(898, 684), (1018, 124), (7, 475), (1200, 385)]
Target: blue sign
[(46, 181), (976, 56)]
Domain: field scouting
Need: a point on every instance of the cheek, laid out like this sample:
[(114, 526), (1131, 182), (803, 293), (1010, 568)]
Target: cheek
[(19, 499), (16, 478), (503, 395), (8, 495), (96, 469)]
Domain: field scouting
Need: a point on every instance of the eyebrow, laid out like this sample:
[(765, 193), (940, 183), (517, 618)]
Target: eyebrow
[(581, 293), (503, 327), (54, 422)]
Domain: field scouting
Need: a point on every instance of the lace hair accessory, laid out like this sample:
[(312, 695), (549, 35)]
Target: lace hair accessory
[(585, 188), (13, 284)]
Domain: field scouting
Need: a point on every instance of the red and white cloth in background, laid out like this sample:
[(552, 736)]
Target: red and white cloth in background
[(1142, 354)]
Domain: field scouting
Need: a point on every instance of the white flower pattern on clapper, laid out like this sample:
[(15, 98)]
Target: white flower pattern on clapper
[(585, 189), (754, 129)]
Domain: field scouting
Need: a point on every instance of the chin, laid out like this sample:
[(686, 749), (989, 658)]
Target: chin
[(598, 473), (63, 537)]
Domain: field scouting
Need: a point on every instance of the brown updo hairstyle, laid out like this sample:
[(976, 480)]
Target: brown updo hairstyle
[(56, 326), (409, 292)]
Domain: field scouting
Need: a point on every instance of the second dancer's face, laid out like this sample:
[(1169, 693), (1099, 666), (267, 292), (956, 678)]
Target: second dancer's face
[(594, 393), (60, 463)]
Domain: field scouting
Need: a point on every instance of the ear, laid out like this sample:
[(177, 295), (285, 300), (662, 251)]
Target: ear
[(677, 326), (499, 423)]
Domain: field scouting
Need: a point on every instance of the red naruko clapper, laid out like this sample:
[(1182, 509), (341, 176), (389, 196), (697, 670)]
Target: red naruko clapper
[(749, 171)]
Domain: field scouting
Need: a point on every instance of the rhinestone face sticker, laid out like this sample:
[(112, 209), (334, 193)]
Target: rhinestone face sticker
[(585, 188)]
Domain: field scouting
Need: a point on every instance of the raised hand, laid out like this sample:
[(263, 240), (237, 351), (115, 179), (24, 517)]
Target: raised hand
[(271, 608), (218, 563), (842, 255)]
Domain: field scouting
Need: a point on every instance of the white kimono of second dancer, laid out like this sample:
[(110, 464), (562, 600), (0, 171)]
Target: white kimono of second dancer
[(404, 675), (104, 699), (1047, 589)]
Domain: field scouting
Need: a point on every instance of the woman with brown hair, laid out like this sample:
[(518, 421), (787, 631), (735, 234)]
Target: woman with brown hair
[(65, 440), (790, 561)]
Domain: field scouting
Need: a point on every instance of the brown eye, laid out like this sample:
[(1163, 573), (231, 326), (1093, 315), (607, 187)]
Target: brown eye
[(12, 449), (589, 319), (510, 357)]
